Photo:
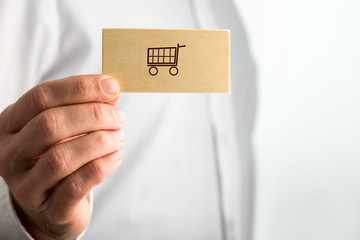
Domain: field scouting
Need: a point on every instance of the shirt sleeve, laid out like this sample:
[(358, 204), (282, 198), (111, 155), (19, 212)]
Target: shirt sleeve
[(10, 225)]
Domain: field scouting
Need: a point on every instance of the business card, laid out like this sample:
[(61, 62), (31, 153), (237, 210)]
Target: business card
[(163, 60)]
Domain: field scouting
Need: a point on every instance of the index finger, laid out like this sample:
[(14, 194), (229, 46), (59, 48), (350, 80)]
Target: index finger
[(60, 92)]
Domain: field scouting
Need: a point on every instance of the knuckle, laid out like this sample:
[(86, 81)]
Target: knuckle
[(10, 169), (101, 140), (46, 123), (97, 113), (82, 87), (98, 172), (57, 159), (40, 97), (73, 188)]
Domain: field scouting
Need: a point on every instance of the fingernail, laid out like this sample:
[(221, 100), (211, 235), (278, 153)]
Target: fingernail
[(119, 135), (119, 116), (109, 86), (115, 155)]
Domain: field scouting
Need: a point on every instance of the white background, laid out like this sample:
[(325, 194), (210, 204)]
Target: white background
[(307, 135)]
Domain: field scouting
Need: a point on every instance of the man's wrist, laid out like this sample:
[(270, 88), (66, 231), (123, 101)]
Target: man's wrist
[(26, 223)]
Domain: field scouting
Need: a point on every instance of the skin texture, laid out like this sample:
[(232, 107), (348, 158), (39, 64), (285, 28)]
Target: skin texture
[(58, 141)]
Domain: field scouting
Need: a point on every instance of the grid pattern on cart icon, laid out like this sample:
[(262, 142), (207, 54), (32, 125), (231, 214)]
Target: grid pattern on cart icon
[(162, 56)]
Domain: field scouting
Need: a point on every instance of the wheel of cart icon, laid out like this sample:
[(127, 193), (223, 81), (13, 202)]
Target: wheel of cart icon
[(162, 57)]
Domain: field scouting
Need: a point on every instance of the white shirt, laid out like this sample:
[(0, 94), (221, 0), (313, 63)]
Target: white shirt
[(187, 167)]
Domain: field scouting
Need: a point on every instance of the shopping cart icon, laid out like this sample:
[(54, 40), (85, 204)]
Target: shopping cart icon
[(163, 56)]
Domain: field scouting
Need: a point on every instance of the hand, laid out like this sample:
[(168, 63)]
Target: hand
[(57, 142)]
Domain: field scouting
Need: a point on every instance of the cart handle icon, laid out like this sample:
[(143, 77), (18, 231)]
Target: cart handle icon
[(163, 56)]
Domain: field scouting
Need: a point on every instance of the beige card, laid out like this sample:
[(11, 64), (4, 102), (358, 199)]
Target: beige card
[(160, 60)]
